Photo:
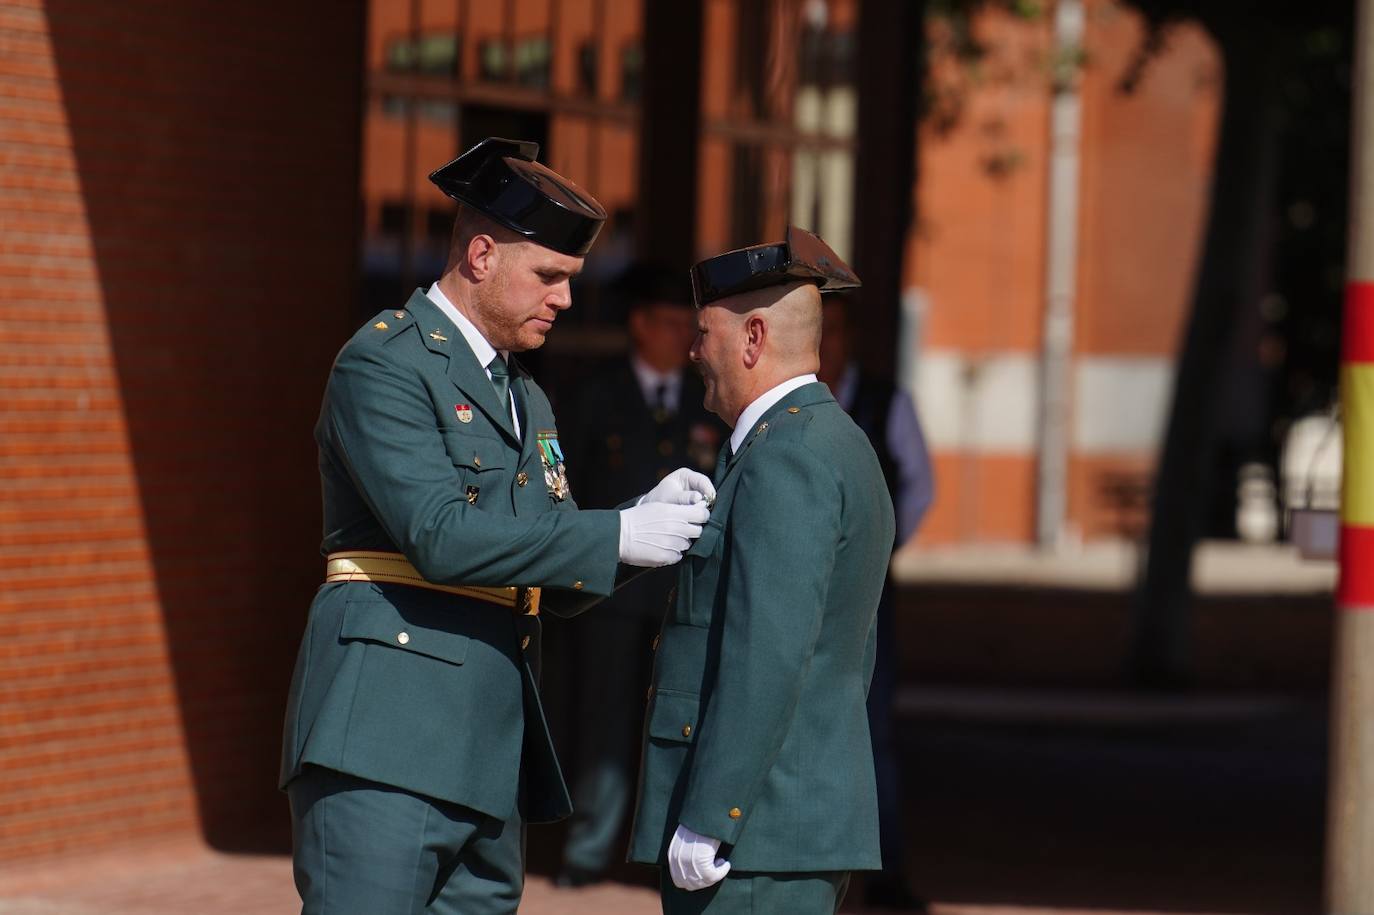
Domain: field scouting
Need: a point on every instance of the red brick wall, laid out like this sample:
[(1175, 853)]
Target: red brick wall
[(178, 235)]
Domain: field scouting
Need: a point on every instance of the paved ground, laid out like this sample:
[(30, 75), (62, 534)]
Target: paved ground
[(188, 879), (1019, 803)]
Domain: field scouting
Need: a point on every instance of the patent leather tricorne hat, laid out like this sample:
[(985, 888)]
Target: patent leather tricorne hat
[(501, 179), (799, 257)]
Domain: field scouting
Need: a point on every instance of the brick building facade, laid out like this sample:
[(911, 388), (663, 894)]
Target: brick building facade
[(177, 262)]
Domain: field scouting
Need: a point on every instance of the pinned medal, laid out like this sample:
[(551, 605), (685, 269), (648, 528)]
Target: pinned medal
[(464, 412), (435, 335), (471, 493), (555, 471)]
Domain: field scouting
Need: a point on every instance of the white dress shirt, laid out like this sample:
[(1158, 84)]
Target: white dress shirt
[(651, 379), (480, 347), (761, 404)]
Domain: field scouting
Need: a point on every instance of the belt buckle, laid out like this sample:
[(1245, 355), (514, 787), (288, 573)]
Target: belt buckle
[(527, 601)]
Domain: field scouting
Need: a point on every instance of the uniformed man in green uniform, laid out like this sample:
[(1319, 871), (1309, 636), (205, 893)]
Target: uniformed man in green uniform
[(756, 786), (632, 425), (415, 747)]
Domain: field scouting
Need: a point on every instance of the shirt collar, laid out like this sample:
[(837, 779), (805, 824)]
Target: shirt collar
[(480, 347), (650, 377), (760, 406)]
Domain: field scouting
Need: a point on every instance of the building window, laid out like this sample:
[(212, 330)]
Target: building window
[(433, 55), (527, 65)]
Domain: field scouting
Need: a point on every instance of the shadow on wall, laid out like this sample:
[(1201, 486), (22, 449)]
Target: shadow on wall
[(218, 152)]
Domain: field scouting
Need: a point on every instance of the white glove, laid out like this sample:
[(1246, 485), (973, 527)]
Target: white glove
[(655, 534), (683, 486), (692, 861)]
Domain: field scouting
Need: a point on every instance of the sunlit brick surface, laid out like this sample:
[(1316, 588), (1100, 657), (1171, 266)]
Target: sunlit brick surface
[(177, 262)]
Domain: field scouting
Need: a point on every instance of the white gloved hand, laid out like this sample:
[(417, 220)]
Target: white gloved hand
[(692, 861), (683, 486), (655, 534)]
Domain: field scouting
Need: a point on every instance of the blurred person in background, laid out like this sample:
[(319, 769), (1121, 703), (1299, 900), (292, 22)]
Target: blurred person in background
[(631, 426), (415, 749), (757, 786), (887, 416)]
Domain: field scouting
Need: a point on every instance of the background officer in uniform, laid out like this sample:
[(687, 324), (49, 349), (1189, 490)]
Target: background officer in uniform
[(632, 426), (757, 787), (888, 417), (415, 748)]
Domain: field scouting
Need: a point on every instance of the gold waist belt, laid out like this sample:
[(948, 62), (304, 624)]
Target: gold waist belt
[(394, 568)]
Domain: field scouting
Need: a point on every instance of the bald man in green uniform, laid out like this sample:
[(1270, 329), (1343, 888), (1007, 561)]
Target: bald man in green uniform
[(756, 787), (415, 748)]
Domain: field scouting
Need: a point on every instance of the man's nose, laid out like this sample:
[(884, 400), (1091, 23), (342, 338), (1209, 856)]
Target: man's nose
[(561, 298)]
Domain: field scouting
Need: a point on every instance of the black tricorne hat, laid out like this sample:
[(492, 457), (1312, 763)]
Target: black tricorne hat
[(800, 257), (501, 179)]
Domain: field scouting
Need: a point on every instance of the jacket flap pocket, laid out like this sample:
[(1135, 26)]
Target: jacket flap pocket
[(475, 452), (674, 716), (380, 621), (705, 545)]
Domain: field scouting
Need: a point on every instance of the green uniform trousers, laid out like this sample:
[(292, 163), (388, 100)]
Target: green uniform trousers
[(363, 848), (758, 893)]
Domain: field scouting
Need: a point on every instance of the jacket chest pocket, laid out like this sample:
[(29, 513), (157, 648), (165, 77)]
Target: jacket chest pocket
[(481, 464), (700, 576)]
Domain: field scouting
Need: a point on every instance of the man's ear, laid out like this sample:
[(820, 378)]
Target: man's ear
[(482, 257), (755, 333)]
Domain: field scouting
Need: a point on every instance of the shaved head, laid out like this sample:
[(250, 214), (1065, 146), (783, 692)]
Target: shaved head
[(753, 341), (794, 319)]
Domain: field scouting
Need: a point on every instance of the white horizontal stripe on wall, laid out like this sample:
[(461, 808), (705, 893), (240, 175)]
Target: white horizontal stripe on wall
[(1120, 403), (988, 402), (984, 402)]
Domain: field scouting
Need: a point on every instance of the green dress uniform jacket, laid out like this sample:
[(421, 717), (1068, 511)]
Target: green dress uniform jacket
[(423, 690), (756, 732)]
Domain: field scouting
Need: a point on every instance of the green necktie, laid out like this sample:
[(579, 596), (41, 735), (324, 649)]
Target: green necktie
[(500, 379), (722, 460)]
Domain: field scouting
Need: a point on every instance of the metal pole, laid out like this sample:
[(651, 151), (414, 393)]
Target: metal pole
[(1061, 269), (1350, 810)]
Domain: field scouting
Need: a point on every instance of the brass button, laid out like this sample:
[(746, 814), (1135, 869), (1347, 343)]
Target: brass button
[(380, 325), (521, 478), (399, 314), (794, 409), (735, 813), (524, 643), (476, 461), (653, 646), (403, 637), (686, 730), (577, 585)]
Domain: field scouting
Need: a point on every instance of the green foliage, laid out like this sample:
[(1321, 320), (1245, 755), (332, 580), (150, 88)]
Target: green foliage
[(953, 38)]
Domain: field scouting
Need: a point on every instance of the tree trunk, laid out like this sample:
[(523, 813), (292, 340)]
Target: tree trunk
[(891, 70), (1231, 278)]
